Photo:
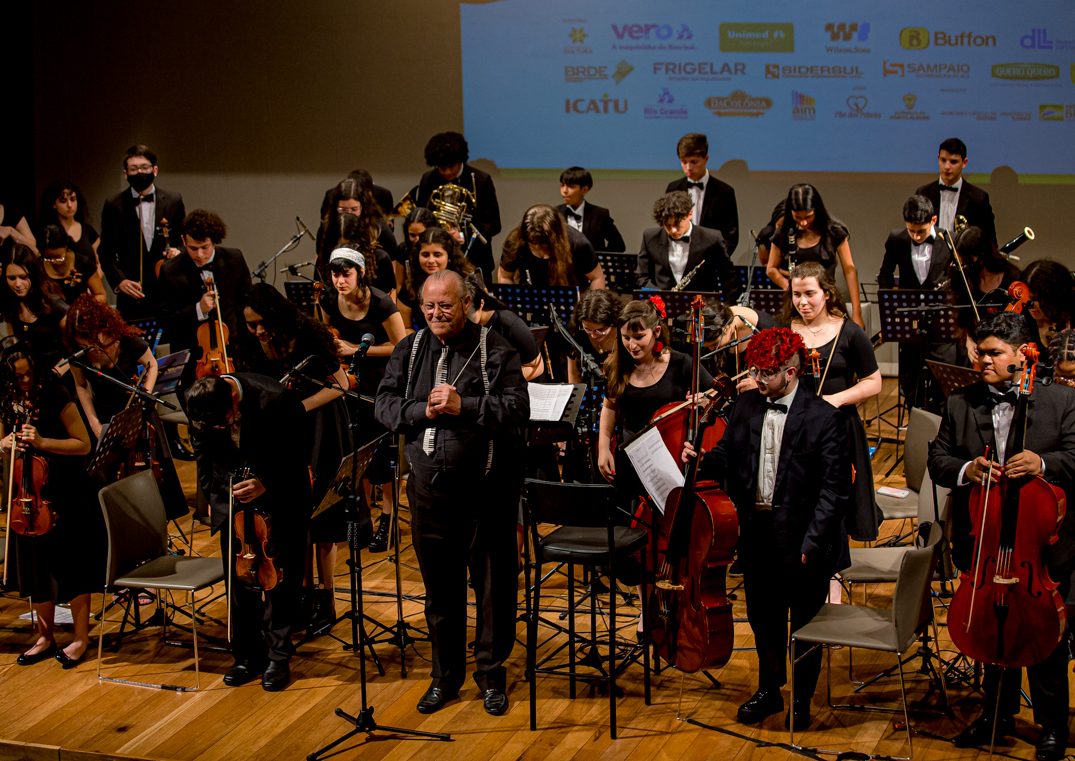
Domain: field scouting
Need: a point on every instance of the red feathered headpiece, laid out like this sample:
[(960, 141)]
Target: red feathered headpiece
[(658, 304), (771, 349)]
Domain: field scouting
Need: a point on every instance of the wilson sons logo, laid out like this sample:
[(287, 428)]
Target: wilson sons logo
[(739, 103), (795, 71), (847, 37), (603, 105), (652, 37), (925, 70), (698, 71)]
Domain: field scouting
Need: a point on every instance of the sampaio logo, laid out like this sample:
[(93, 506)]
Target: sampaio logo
[(925, 70)]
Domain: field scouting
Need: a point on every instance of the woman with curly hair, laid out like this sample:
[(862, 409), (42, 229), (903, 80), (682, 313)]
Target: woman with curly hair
[(436, 250), (545, 250), (31, 304), (417, 222), (115, 349), (282, 338), (355, 220)]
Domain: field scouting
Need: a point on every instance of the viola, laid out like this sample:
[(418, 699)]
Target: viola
[(1018, 297), (166, 234), (1007, 610), (30, 514), (255, 558), (213, 341)]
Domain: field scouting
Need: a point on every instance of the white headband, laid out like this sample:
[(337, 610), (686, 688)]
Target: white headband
[(350, 255)]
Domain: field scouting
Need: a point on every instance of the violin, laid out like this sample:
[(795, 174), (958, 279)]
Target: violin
[(213, 340), (166, 234), (815, 364), (1007, 610), (29, 513), (255, 558)]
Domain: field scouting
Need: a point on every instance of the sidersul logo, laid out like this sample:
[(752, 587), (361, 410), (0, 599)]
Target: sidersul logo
[(652, 32), (602, 105)]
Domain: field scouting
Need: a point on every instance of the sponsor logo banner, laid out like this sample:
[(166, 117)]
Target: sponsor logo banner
[(1025, 71), (602, 105), (738, 103), (800, 71), (857, 108), (754, 37), (652, 37), (803, 107), (847, 36), (925, 70), (909, 112), (666, 107), (699, 71)]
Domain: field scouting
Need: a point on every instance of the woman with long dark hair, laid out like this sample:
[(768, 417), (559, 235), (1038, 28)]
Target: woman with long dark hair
[(545, 250), (355, 220), (64, 205), (417, 222), (1052, 299), (31, 304), (435, 250)]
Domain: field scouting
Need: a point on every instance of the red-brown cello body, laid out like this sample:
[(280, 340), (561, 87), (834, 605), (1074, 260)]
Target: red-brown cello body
[(1007, 610)]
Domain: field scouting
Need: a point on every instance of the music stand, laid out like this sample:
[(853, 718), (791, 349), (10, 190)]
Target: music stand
[(541, 432), (952, 377), (532, 301), (677, 303), (301, 294), (152, 330), (116, 444), (169, 371), (768, 300), (620, 270), (760, 281)]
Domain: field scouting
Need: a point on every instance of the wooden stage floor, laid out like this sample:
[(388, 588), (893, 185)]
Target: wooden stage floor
[(47, 713)]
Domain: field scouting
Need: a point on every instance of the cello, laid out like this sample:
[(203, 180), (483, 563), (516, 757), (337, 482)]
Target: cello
[(1007, 610), (689, 612)]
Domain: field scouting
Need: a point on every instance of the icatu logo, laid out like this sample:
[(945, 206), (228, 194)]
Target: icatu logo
[(602, 105)]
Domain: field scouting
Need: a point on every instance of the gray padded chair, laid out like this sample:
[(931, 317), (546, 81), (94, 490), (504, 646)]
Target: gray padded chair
[(892, 630), (138, 557), (922, 427)]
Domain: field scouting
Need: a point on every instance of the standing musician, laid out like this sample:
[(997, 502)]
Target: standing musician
[(355, 220), (208, 283), (30, 304), (250, 420), (289, 344), (988, 274), (952, 196), (357, 310), (139, 229), (434, 250), (417, 221), (844, 373), (64, 564), (596, 315), (733, 323), (783, 462), (593, 221), (116, 349), (382, 197), (548, 251), (981, 415), (71, 268), (490, 312), (456, 393), (713, 200)]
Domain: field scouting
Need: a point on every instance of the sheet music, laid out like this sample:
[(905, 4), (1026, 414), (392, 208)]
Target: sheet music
[(549, 400), (656, 467)]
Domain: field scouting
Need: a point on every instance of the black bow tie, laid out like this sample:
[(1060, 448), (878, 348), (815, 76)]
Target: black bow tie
[(694, 184), (774, 407), (147, 198), (574, 215), (684, 239), (1008, 397), (951, 188)]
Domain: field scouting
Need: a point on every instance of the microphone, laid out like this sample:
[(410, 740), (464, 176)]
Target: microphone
[(294, 268), (304, 229), (368, 339), (297, 369), (749, 324)]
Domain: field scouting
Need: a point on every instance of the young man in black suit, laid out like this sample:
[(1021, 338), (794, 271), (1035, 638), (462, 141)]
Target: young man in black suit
[(139, 230), (783, 461), (250, 420), (714, 201), (447, 153), (673, 250), (595, 222), (981, 415), (952, 196), (187, 302)]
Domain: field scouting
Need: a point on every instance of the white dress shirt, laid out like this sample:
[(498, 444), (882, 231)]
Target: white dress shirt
[(772, 434), (678, 253), (922, 255), (946, 214)]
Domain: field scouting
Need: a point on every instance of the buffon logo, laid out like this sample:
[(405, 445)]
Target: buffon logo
[(843, 31), (641, 32), (754, 37), (602, 105), (918, 38), (914, 38)]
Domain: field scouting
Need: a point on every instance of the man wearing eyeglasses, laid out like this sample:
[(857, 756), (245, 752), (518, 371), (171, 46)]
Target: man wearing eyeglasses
[(140, 228), (784, 463), (456, 393)]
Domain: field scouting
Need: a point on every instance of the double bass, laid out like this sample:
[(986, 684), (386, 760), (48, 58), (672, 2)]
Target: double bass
[(1007, 610)]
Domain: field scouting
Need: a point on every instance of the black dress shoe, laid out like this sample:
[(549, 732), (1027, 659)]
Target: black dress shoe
[(761, 704), (801, 709), (242, 673), (495, 701), (277, 676), (66, 661), (40, 655), (1053, 744), (436, 698), (980, 731)]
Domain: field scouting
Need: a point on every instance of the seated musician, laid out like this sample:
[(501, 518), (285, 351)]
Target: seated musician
[(489, 312), (979, 415), (544, 250), (672, 251), (791, 486), (62, 565), (1052, 301), (732, 323), (115, 349), (250, 420)]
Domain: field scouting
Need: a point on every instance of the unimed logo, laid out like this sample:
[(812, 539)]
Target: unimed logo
[(914, 38), (757, 37)]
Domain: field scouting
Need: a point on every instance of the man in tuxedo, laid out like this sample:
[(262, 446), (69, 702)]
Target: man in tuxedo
[(447, 154), (982, 415), (714, 201), (139, 230), (674, 249), (952, 196), (185, 283), (250, 420), (591, 220), (783, 461)]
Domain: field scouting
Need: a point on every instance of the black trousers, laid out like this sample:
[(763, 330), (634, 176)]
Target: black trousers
[(456, 526), (778, 587)]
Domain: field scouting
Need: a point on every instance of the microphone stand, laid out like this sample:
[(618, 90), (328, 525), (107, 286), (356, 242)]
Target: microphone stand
[(744, 298), (592, 375), (260, 270)]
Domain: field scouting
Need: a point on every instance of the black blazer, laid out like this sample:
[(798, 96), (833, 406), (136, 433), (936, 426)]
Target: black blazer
[(598, 227), (898, 256), (813, 480), (719, 209), (485, 217), (120, 234), (966, 429), (705, 245), (973, 203), (182, 288)]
